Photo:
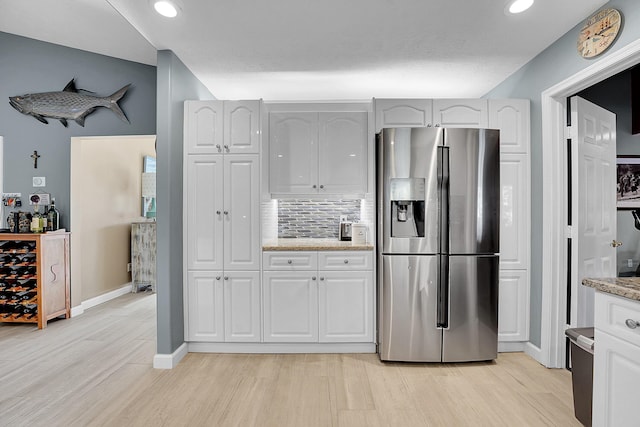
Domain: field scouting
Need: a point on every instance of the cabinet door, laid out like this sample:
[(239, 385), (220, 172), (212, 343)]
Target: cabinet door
[(205, 320), (242, 306), (241, 127), (345, 306), (513, 306), (241, 214), (511, 116), (393, 113), (204, 212), (515, 235), (460, 113), (203, 127), (290, 301), (616, 376), (342, 153), (293, 148)]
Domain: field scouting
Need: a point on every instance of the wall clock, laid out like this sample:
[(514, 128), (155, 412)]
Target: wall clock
[(598, 32)]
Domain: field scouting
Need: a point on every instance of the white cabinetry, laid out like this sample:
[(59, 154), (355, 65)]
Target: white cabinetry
[(318, 152), (217, 127), (511, 116), (330, 304), (426, 112), (222, 221), (616, 369)]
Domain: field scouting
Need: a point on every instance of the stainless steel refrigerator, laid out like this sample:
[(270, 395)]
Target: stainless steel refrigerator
[(438, 207)]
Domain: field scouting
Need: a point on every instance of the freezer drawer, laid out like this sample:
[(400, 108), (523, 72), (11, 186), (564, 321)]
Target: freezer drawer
[(472, 330), (408, 308)]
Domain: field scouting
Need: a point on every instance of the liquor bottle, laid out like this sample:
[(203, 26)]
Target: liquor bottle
[(36, 223), (53, 216)]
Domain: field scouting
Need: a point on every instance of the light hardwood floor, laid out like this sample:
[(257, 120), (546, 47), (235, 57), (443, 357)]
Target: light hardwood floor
[(95, 370)]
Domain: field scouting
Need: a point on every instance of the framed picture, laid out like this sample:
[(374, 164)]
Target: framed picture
[(628, 182)]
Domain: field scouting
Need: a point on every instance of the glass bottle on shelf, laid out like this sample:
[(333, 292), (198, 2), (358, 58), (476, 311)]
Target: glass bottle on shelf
[(53, 216), (36, 223)]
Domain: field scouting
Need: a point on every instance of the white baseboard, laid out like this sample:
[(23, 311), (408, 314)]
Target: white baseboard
[(511, 347), (238, 347), (534, 352), (170, 361), (100, 299)]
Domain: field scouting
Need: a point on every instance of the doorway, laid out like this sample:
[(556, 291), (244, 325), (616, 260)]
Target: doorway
[(555, 197)]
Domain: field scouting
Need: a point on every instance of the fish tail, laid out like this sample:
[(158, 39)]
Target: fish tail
[(113, 102)]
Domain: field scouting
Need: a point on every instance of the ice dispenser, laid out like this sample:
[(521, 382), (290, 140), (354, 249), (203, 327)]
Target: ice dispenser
[(407, 207)]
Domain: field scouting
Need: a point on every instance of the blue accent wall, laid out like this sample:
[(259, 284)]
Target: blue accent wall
[(32, 66), (553, 65), (176, 84)]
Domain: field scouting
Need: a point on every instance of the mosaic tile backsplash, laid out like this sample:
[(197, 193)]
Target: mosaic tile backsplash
[(316, 219)]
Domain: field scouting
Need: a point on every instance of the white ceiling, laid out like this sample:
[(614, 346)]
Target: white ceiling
[(311, 49)]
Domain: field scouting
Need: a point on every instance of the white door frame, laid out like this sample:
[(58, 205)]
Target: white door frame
[(554, 198)]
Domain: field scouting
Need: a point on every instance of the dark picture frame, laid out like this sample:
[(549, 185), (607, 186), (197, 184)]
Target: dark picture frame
[(628, 182)]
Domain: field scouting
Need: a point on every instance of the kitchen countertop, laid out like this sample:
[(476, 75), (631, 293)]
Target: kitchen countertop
[(627, 287), (313, 245)]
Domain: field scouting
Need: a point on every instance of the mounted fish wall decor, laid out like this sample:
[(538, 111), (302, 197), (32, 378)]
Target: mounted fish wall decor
[(69, 104)]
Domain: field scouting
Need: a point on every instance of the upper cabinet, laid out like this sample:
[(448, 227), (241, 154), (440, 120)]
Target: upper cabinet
[(392, 113), (222, 127), (323, 153), (426, 112), (460, 113), (511, 116)]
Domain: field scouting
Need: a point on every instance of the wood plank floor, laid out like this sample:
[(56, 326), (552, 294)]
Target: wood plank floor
[(95, 370)]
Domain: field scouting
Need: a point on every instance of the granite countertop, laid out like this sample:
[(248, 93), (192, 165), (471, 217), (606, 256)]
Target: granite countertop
[(313, 245), (627, 287)]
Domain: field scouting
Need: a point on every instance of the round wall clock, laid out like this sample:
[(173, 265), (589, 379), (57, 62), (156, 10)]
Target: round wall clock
[(599, 32)]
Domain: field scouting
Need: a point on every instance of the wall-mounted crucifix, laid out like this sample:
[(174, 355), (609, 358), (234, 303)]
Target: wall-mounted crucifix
[(35, 156)]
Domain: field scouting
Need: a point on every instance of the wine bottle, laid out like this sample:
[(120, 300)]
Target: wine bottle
[(53, 216), (36, 220)]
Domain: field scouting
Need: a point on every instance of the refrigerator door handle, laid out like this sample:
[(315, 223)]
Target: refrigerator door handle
[(443, 293), (443, 180)]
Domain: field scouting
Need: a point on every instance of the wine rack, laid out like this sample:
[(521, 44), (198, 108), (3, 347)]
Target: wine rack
[(34, 277)]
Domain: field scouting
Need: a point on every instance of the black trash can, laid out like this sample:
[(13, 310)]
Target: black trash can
[(582, 372)]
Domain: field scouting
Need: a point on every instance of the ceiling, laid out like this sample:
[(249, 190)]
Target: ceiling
[(310, 49)]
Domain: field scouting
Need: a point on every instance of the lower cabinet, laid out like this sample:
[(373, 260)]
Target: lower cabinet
[(223, 306), (616, 364), (323, 305), (513, 306)]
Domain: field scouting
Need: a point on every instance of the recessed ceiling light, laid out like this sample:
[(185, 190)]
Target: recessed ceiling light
[(166, 8), (517, 6)]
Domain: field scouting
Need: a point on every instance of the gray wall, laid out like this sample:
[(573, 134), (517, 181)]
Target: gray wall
[(175, 85), (614, 94), (31, 66), (556, 63)]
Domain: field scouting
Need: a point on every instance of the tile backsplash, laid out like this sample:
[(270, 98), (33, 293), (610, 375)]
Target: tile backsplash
[(314, 218)]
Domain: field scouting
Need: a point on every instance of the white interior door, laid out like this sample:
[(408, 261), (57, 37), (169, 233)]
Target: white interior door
[(593, 133)]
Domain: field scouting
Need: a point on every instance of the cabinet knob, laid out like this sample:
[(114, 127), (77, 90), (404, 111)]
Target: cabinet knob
[(322, 186), (615, 243), (218, 147), (226, 277), (437, 125), (313, 186), (322, 278), (226, 147), (632, 323), (218, 212), (217, 277), (289, 262), (346, 261), (313, 278), (428, 125), (226, 212)]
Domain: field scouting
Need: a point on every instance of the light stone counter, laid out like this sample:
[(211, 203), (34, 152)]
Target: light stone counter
[(313, 245), (627, 287)]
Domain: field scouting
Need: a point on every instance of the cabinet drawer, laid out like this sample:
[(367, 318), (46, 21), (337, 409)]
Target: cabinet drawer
[(345, 260), (290, 260), (611, 314)]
